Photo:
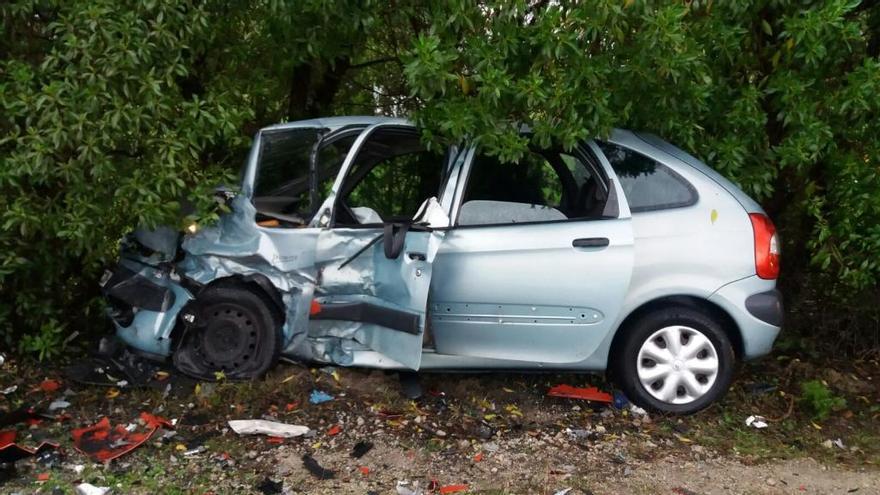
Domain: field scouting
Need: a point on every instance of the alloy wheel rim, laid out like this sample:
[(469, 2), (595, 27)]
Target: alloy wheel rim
[(677, 364)]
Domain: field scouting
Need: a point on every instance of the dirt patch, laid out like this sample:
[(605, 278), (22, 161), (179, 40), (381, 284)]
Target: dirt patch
[(495, 433)]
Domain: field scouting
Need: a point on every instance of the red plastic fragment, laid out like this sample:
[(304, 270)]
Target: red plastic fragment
[(453, 489), (334, 430), (155, 421), (589, 393), (50, 386), (103, 443), (478, 457), (11, 452), (43, 477), (364, 470), (291, 406), (275, 440)]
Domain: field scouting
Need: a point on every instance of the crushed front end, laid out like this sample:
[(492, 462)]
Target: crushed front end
[(144, 292)]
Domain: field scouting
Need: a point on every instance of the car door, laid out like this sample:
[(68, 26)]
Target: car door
[(537, 262), (375, 258)]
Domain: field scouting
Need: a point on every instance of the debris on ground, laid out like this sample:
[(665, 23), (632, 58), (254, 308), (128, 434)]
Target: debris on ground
[(828, 444), (453, 489), (638, 411), (104, 443), (589, 393), (410, 386), (11, 452), (360, 449), (265, 427), (493, 433), (319, 397), (407, 488), (760, 388), (58, 404), (270, 487), (317, 471), (50, 386), (90, 489), (8, 390), (758, 422)]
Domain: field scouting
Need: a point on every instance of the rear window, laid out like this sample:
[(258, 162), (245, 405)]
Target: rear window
[(648, 184)]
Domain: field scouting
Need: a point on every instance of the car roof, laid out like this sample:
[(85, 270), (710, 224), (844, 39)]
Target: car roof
[(621, 136), (333, 123)]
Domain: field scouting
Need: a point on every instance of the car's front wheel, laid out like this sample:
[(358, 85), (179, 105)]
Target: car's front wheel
[(677, 360), (234, 332)]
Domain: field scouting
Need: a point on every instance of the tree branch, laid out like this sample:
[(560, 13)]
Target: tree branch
[(374, 62)]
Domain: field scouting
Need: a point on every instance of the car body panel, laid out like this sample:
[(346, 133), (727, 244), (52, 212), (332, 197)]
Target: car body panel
[(757, 336), (555, 308)]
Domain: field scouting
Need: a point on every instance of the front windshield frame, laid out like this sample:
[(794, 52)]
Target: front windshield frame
[(313, 178)]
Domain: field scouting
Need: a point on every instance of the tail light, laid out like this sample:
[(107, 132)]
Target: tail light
[(766, 246)]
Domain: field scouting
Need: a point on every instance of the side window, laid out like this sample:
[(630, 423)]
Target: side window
[(647, 184), (545, 185), (392, 175)]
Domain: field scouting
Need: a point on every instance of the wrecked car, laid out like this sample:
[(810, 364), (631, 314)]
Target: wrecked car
[(352, 244)]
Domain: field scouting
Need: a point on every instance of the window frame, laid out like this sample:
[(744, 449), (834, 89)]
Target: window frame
[(325, 137), (346, 171), (694, 193), (581, 151)]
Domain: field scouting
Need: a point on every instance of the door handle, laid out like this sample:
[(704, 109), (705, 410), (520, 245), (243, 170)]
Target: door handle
[(590, 242)]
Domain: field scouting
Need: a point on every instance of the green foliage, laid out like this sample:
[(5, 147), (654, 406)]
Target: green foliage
[(116, 113), (818, 398), (96, 136), (45, 343), (780, 96)]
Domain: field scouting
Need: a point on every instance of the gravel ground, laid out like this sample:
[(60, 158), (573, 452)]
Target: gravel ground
[(494, 433)]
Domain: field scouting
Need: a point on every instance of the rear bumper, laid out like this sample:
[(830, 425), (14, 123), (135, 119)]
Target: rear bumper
[(767, 307), (756, 307)]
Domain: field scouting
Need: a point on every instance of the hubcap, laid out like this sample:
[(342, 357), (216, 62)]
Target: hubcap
[(677, 364)]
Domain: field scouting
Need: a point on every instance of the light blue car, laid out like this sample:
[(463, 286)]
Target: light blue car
[(352, 244)]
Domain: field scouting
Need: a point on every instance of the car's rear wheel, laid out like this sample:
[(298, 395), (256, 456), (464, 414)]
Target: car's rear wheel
[(676, 360), (234, 331)]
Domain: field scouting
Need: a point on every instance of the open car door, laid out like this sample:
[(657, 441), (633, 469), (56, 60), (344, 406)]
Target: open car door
[(374, 269)]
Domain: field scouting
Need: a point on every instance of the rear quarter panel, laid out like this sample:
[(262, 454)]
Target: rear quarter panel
[(690, 251)]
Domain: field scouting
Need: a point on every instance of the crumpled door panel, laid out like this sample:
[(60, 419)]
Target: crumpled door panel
[(368, 277)]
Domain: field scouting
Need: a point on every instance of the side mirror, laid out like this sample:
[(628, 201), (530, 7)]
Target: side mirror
[(394, 238)]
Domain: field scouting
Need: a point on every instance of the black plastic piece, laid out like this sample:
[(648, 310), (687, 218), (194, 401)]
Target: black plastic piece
[(395, 237), (316, 469), (370, 313), (767, 307), (410, 386), (137, 290), (591, 242)]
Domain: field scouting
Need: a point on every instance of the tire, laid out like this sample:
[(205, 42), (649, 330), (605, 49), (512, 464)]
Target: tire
[(657, 377), (235, 331)]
